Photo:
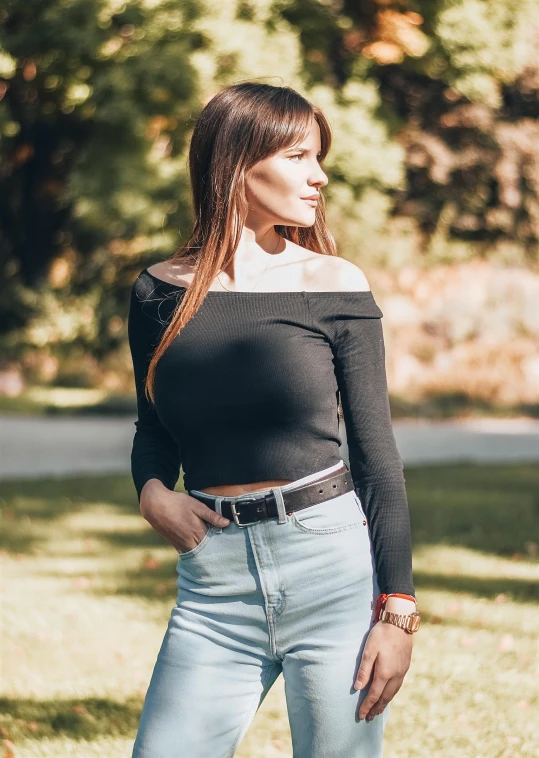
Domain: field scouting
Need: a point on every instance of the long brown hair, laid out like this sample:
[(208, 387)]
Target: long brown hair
[(241, 125)]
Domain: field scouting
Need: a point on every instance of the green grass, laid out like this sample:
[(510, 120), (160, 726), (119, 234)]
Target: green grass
[(88, 588)]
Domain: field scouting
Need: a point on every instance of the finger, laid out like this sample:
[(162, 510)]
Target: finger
[(375, 690), (387, 695), (365, 668), (209, 515)]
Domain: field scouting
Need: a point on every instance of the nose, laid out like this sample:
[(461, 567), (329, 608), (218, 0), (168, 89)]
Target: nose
[(319, 180)]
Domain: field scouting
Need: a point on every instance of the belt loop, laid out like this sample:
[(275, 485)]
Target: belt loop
[(218, 509), (280, 504)]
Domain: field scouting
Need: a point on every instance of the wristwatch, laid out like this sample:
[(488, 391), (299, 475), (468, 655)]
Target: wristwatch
[(407, 621)]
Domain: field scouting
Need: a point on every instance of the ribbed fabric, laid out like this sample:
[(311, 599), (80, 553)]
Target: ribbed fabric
[(248, 392)]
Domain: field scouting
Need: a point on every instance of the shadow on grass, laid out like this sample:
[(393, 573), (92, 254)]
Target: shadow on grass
[(25, 504), (145, 538), (48, 498), (519, 590), (493, 509), (149, 583), (77, 718), (154, 579), (490, 508)]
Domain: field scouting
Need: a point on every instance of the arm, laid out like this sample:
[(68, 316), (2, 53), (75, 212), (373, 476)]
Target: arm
[(155, 454), (375, 463), (378, 479)]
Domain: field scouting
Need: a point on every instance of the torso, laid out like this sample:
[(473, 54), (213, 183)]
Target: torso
[(296, 269)]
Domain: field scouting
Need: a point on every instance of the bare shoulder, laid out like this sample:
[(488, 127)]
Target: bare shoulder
[(346, 275), (334, 274), (178, 273)]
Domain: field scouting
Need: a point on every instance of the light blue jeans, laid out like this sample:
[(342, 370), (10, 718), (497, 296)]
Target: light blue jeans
[(292, 595)]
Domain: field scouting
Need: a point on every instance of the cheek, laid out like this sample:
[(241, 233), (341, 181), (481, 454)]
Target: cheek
[(273, 186)]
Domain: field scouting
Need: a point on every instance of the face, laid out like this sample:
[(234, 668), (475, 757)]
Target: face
[(277, 187)]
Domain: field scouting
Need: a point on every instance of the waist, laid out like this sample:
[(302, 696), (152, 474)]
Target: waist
[(279, 502), (261, 492), (211, 461)]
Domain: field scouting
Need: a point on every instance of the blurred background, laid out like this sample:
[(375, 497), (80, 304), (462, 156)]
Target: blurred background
[(433, 192)]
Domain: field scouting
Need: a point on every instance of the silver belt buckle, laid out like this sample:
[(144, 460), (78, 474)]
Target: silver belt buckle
[(235, 513)]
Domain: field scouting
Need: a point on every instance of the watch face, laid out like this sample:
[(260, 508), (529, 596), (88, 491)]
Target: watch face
[(414, 621)]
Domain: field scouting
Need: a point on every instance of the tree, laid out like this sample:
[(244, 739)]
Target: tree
[(459, 83), (97, 101)]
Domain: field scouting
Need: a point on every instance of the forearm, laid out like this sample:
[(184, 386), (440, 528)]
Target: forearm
[(149, 495), (386, 507), (154, 457), (374, 458)]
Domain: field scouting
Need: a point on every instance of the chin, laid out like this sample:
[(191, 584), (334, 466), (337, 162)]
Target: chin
[(298, 221)]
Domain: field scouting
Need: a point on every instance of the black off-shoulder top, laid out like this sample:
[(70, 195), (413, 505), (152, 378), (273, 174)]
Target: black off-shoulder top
[(248, 391)]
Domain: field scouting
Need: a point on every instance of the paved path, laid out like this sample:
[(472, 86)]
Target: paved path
[(37, 446)]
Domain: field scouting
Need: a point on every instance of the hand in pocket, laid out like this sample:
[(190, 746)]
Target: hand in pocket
[(180, 519)]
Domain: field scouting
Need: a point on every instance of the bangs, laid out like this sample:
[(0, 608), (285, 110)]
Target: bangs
[(284, 122)]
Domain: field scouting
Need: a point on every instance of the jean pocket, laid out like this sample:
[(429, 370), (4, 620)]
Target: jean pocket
[(334, 515), (201, 545)]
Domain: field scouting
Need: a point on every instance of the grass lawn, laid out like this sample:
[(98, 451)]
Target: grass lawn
[(88, 587)]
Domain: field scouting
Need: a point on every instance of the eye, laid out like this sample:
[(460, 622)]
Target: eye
[(302, 155)]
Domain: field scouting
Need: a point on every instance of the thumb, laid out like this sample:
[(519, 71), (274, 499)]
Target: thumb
[(206, 513), (365, 669), (215, 519)]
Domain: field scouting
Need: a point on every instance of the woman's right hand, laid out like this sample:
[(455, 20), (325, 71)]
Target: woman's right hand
[(177, 516)]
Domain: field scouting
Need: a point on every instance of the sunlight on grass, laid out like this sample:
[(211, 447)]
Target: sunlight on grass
[(88, 588), (65, 397)]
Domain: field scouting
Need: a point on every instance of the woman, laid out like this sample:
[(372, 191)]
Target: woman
[(241, 345)]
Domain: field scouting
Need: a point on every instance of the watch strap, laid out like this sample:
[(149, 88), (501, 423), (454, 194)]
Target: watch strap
[(382, 597), (407, 621)]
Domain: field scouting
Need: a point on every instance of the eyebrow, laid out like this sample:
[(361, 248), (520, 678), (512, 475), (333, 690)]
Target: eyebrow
[(300, 150)]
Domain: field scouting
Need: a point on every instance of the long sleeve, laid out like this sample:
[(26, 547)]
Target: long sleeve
[(155, 453), (375, 463)]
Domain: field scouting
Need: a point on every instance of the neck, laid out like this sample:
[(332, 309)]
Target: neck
[(255, 254)]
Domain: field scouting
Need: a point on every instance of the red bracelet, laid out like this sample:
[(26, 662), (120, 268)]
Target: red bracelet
[(381, 599)]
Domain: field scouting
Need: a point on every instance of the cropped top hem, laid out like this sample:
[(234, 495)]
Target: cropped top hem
[(248, 391)]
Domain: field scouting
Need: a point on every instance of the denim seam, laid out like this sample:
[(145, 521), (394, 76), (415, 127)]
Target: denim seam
[(359, 504), (282, 593), (251, 711), (273, 634), (267, 606), (327, 530)]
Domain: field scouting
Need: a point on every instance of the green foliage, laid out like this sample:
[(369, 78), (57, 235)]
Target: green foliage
[(459, 88), (434, 108), (96, 109), (487, 44)]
